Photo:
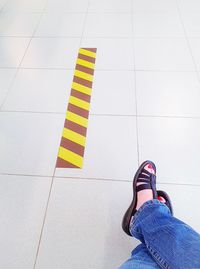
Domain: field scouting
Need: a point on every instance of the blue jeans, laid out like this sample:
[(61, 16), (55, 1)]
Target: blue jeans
[(167, 242)]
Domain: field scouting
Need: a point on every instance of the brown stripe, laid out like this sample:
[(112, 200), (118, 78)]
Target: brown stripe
[(83, 82), (75, 127), (74, 147), (64, 164), (86, 58), (80, 95), (85, 69), (90, 49), (77, 110)]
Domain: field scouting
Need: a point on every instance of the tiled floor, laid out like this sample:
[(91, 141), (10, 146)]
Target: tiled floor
[(145, 105)]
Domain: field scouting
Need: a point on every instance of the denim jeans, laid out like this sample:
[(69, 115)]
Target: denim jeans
[(167, 242)]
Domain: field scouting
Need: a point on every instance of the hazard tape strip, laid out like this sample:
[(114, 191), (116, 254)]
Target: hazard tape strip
[(72, 146)]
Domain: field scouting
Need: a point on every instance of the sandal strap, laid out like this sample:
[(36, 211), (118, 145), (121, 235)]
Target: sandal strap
[(143, 180), (144, 176), (143, 187)]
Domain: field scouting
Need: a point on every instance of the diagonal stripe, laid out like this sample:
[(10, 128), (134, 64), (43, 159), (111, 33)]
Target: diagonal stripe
[(91, 49), (83, 81), (77, 119), (80, 95), (73, 136), (81, 88), (85, 69), (79, 111), (86, 58), (70, 145), (75, 128), (70, 156), (83, 75), (87, 53), (78, 102), (85, 63), (64, 164)]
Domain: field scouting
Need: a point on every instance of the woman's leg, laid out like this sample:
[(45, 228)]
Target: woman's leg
[(140, 259), (172, 243)]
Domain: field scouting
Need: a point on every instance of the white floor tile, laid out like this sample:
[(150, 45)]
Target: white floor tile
[(108, 25), (154, 6), (12, 50), (18, 24), (111, 149), (40, 90), (113, 93), (61, 24), (22, 209), (174, 145), (52, 53), (67, 5), (29, 142), (87, 214), (163, 54), (157, 25), (184, 198), (110, 6), (6, 76), (114, 54), (195, 43), (169, 93), (25, 6)]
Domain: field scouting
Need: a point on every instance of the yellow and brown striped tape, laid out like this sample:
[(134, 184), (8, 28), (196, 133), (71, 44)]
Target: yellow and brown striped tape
[(72, 146)]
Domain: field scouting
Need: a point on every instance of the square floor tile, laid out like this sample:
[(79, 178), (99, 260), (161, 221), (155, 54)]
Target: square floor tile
[(113, 93), (25, 6), (12, 50), (154, 6), (173, 144), (61, 24), (110, 6), (6, 77), (29, 142), (163, 54), (111, 149), (40, 90), (112, 54), (108, 25), (18, 23), (171, 93), (157, 25), (22, 210), (195, 43), (52, 53), (184, 199), (67, 6), (84, 221)]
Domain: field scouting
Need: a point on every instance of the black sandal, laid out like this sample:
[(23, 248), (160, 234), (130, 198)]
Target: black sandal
[(149, 179)]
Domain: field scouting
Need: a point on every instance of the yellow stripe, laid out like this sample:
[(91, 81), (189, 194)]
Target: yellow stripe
[(73, 136), (81, 88), (70, 156), (77, 119), (83, 75), (78, 102), (85, 63), (87, 53)]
